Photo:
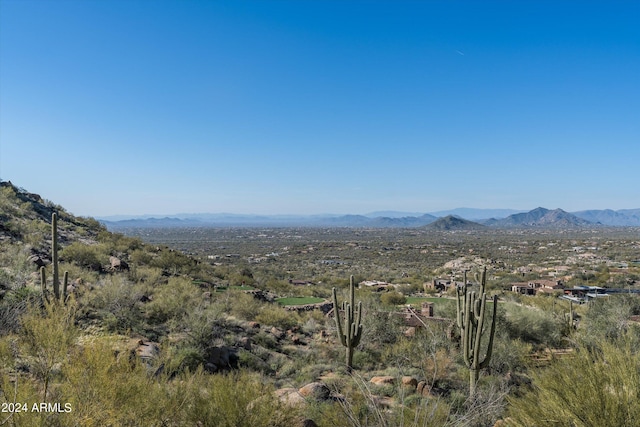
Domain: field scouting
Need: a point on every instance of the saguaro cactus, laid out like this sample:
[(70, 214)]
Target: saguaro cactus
[(350, 331), (569, 317), (54, 263), (471, 319)]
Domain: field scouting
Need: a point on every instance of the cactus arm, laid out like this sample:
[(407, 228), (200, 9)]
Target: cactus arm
[(43, 278), (336, 313), (492, 332), (478, 340), (466, 334), (65, 282), (460, 304)]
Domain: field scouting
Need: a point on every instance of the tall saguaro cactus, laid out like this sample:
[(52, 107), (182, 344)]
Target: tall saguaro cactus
[(471, 319), (350, 331), (54, 263)]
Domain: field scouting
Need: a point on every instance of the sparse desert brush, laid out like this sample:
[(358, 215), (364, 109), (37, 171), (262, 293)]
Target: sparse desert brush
[(150, 276), (274, 315), (393, 298), (115, 303), (532, 325), (92, 257), (173, 300), (13, 304), (598, 385), (243, 306), (362, 405)]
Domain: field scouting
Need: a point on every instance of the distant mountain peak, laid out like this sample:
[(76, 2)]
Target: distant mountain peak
[(453, 222), (542, 217)]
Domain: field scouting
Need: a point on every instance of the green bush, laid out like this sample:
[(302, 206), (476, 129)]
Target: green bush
[(597, 386), (393, 298), (173, 262), (532, 325), (173, 301), (274, 315), (117, 303), (92, 257), (243, 306)]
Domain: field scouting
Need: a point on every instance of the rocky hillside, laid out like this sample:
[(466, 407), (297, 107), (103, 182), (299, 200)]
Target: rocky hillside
[(25, 216), (126, 330)]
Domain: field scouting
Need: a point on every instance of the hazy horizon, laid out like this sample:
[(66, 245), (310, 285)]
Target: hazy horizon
[(466, 213), (389, 213), (298, 108)]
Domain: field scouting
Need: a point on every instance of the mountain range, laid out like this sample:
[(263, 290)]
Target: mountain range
[(462, 218)]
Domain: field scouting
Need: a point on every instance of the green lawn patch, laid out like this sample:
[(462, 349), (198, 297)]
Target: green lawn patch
[(420, 300), (299, 300)]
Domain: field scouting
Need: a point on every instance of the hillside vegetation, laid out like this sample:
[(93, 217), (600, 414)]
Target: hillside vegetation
[(149, 335)]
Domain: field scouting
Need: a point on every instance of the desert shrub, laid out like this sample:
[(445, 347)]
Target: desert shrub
[(174, 262), (140, 257), (314, 321), (106, 389), (508, 355), (150, 276), (118, 243), (92, 257), (428, 355), (273, 315), (361, 407), (610, 317), (16, 269), (237, 279), (236, 399), (265, 340), (117, 303), (598, 386), (393, 298), (14, 304), (255, 363), (532, 325), (46, 338), (184, 359), (202, 326), (173, 301), (380, 328), (35, 232), (485, 408), (243, 306)]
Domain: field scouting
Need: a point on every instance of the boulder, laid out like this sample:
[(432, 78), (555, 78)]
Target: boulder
[(37, 260), (222, 357), (296, 340), (116, 264), (423, 388), (147, 350), (409, 382), (277, 333), (382, 380), (315, 390), (290, 396), (410, 332), (245, 342)]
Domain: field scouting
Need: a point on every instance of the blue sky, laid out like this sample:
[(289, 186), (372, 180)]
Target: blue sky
[(300, 107)]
